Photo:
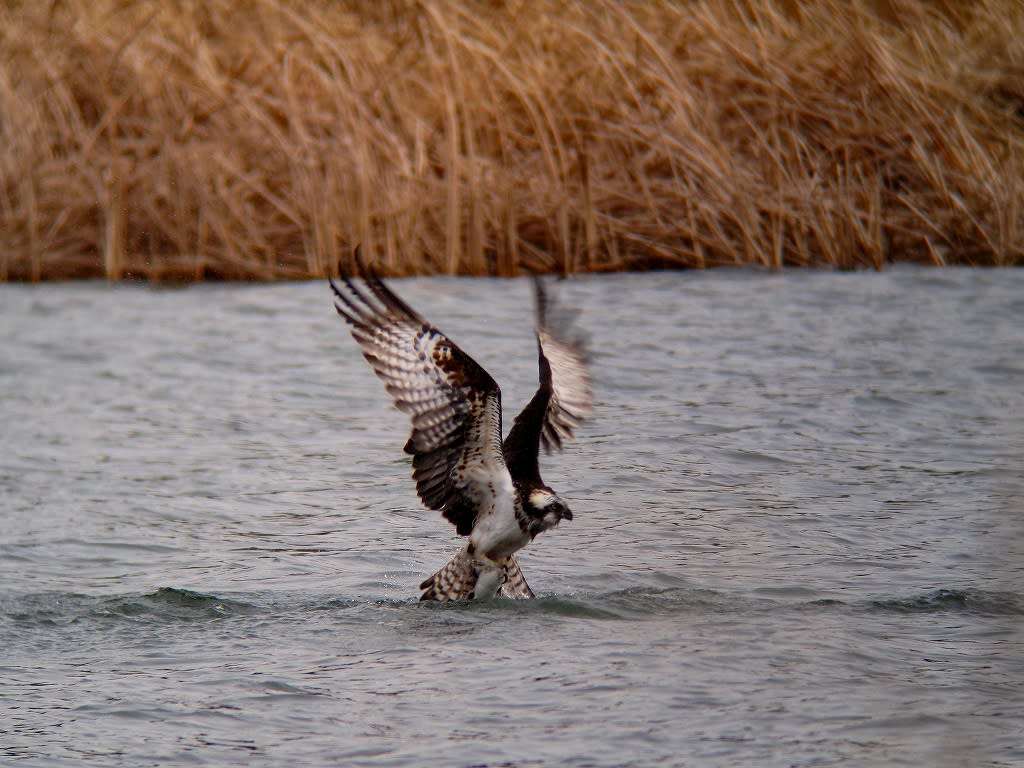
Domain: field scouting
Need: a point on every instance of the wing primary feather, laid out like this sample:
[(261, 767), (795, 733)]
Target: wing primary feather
[(541, 297), (359, 316), (387, 297), (345, 314), (370, 310), (344, 308)]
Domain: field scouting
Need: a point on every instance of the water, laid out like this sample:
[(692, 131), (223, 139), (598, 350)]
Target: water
[(798, 535)]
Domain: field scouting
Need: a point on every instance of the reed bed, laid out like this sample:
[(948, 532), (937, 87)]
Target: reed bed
[(180, 139)]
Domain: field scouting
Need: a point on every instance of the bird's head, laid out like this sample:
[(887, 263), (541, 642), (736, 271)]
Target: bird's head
[(547, 507)]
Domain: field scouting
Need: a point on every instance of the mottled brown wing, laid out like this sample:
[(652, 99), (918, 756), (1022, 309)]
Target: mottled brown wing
[(453, 403)]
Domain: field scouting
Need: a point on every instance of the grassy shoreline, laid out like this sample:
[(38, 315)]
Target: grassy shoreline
[(262, 140)]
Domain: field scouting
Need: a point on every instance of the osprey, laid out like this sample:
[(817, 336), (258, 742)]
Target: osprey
[(490, 489)]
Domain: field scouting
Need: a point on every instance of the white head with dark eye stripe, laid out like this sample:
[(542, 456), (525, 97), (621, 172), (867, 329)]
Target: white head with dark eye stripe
[(545, 505)]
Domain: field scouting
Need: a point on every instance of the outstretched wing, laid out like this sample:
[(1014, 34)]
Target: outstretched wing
[(563, 399), (454, 404)]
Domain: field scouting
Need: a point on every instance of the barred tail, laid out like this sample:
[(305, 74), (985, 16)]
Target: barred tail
[(456, 581), (466, 577), (515, 585)]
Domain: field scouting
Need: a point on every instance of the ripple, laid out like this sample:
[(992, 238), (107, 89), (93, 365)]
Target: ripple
[(50, 609), (971, 601)]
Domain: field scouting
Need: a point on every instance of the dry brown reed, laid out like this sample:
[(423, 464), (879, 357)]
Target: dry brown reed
[(187, 139)]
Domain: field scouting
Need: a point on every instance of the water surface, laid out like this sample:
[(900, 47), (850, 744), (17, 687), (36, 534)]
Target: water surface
[(798, 535)]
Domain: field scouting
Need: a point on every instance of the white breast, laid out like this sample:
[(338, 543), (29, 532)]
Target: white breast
[(497, 533)]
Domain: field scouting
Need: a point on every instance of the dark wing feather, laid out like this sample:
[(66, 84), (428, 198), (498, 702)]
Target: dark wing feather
[(453, 403), (564, 398), (564, 349)]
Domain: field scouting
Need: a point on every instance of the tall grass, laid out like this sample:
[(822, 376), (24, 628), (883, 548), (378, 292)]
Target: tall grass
[(184, 139)]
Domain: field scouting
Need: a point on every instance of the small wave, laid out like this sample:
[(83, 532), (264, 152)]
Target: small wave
[(652, 601), (949, 600), (171, 602), (167, 603), (613, 605), (641, 602), (649, 601), (631, 603), (569, 607)]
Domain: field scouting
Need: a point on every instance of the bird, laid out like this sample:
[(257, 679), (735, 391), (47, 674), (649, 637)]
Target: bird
[(489, 488)]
